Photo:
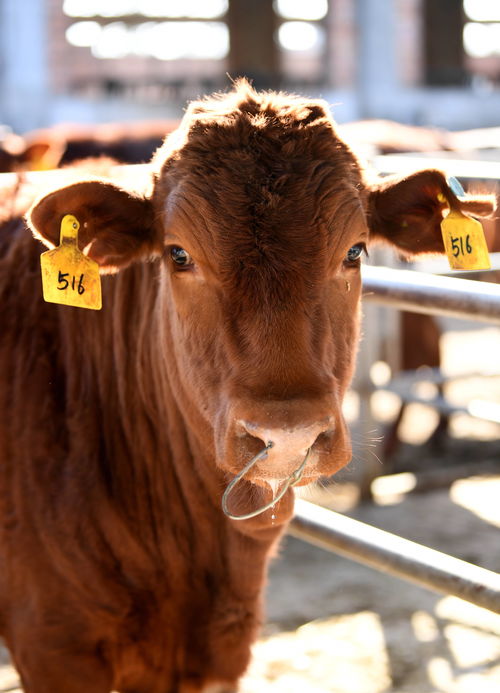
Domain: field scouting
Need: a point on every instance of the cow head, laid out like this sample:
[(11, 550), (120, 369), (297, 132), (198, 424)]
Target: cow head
[(258, 218)]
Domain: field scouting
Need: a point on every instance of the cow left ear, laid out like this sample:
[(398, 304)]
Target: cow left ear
[(116, 226), (407, 212)]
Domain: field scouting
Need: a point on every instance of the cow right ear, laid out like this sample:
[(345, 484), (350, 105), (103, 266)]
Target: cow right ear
[(407, 212), (116, 226)]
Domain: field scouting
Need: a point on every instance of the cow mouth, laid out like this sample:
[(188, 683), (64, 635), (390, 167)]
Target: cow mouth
[(278, 493)]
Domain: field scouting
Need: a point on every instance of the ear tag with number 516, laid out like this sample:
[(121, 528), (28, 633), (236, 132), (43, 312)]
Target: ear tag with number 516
[(463, 237), (68, 276)]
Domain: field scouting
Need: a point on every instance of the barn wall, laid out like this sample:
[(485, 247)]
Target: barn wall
[(374, 68)]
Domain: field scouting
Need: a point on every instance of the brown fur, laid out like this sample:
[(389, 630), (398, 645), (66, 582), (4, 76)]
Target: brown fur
[(120, 429)]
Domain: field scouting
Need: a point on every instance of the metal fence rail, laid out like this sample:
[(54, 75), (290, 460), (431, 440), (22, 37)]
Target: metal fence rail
[(435, 295), (466, 169), (394, 555)]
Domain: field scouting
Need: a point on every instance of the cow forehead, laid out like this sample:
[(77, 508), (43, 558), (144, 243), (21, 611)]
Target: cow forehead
[(264, 261), (264, 187), (263, 154), (270, 188), (233, 210), (252, 146)]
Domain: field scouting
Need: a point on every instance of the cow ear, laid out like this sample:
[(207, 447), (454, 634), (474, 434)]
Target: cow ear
[(43, 156), (116, 226), (407, 212)]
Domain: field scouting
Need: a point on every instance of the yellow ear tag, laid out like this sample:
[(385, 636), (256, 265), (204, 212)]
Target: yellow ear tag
[(464, 242), (68, 276), (463, 237)]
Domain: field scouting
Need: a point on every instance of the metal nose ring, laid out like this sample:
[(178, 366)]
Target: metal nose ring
[(293, 479)]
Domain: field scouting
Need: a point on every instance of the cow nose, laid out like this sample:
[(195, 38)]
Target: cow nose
[(288, 446)]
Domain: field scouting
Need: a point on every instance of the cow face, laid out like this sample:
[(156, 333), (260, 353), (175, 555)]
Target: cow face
[(259, 217), (264, 231)]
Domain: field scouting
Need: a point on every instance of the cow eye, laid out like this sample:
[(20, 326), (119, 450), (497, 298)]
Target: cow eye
[(354, 253), (180, 257)]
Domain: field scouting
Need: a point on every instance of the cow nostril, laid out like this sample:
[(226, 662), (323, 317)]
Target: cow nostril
[(254, 444), (324, 440)]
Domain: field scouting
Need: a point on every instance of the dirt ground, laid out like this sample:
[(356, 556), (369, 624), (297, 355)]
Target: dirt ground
[(338, 627), (334, 626)]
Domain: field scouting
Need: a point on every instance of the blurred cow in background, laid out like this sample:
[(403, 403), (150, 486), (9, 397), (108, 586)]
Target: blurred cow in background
[(60, 145)]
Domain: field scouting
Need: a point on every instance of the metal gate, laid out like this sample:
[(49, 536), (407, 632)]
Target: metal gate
[(382, 550)]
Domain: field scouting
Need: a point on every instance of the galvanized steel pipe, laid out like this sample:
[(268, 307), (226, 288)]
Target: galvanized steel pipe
[(394, 555), (466, 169), (435, 295)]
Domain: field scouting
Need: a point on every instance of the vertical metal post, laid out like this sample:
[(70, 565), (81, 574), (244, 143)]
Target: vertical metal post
[(23, 63), (377, 65)]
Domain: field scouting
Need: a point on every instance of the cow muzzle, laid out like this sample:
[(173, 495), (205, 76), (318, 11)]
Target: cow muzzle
[(272, 446), (287, 444)]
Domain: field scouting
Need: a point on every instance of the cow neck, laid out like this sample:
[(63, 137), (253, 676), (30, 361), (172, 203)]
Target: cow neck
[(120, 411)]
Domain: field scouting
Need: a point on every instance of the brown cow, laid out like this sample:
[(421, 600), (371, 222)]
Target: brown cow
[(229, 323)]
